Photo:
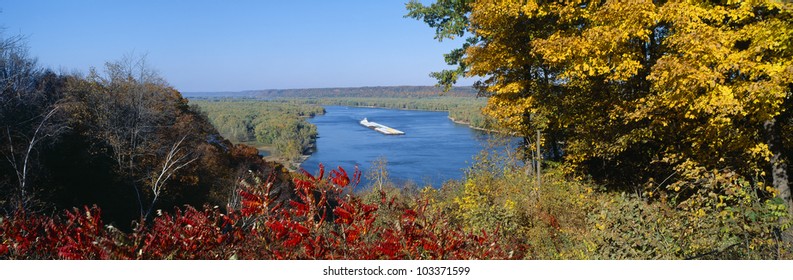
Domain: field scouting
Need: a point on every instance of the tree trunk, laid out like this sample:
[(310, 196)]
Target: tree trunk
[(780, 180), (779, 165), (528, 156)]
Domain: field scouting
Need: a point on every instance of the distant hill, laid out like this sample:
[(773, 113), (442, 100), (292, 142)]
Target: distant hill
[(219, 94), (392, 91)]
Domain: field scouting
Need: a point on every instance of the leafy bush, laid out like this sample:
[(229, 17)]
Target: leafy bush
[(498, 195), (322, 221), (713, 214)]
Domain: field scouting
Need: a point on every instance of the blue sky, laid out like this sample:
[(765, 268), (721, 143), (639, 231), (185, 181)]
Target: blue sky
[(236, 45)]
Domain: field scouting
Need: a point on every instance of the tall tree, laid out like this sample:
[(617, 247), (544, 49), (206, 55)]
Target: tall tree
[(642, 90), (28, 107), (131, 112)]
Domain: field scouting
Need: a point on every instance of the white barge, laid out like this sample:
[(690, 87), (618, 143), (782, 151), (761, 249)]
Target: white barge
[(380, 128)]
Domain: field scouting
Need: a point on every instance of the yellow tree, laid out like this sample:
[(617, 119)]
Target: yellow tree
[(639, 91), (725, 81), (517, 78)]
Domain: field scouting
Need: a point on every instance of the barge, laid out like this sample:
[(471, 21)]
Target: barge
[(380, 128)]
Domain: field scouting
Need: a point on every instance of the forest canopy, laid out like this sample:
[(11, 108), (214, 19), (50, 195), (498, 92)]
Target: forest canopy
[(120, 138), (635, 92)]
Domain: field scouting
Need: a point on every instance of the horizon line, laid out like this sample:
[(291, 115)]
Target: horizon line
[(353, 87)]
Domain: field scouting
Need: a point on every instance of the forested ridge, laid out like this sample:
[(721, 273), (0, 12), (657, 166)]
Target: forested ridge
[(663, 129), (365, 92), (120, 138)]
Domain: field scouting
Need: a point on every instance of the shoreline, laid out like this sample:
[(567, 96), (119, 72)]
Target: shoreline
[(378, 107), (291, 165), (475, 127), (296, 163)]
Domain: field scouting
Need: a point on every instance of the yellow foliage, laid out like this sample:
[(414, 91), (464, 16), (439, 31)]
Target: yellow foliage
[(672, 80), (679, 101)]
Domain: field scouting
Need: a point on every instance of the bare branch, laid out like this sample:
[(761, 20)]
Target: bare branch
[(30, 147), (175, 159), (21, 169)]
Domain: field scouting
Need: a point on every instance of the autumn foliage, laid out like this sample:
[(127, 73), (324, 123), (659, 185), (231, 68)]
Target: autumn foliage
[(633, 92), (324, 221)]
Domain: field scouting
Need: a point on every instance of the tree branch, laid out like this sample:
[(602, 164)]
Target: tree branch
[(173, 161)]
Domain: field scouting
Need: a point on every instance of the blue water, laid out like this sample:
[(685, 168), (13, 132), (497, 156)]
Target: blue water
[(433, 150)]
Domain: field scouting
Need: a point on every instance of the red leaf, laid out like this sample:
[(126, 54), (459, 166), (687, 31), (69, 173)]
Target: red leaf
[(321, 171), (352, 234), (367, 209), (409, 215), (300, 208), (293, 240), (302, 230), (342, 215), (340, 177)]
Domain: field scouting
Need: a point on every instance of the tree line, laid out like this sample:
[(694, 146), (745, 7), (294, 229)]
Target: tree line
[(466, 110), (371, 92)]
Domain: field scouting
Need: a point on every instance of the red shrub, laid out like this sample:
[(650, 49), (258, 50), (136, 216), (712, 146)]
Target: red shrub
[(188, 234), (321, 223), (76, 235)]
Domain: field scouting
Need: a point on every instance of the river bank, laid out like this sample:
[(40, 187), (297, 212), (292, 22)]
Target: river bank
[(292, 165), (475, 127), (268, 153)]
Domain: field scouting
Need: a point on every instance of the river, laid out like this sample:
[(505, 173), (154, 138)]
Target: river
[(433, 150)]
